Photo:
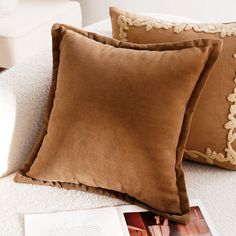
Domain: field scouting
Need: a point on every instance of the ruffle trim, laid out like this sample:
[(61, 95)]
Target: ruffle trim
[(21, 177)]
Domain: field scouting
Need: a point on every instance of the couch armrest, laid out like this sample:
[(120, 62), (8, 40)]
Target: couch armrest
[(24, 91)]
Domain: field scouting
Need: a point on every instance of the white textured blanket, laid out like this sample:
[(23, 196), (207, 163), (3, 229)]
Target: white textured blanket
[(24, 92)]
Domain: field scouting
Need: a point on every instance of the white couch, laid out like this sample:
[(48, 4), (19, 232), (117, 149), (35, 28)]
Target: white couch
[(24, 90)]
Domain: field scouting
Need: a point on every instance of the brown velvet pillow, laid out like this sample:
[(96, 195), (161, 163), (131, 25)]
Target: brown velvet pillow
[(118, 117), (212, 139)]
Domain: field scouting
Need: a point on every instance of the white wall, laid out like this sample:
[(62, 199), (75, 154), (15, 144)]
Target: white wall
[(203, 10)]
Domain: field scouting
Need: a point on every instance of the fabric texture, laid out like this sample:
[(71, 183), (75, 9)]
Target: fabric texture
[(24, 90), (211, 139), (136, 122)]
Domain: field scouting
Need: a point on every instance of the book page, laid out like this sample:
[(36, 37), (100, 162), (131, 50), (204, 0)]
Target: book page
[(137, 221), (94, 222)]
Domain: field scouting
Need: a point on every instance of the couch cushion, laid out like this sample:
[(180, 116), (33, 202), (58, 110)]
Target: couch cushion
[(24, 91)]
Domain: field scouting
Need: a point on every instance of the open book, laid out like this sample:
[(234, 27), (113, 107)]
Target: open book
[(128, 220)]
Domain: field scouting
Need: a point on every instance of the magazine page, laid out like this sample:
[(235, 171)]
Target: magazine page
[(94, 222), (127, 220), (137, 221)]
